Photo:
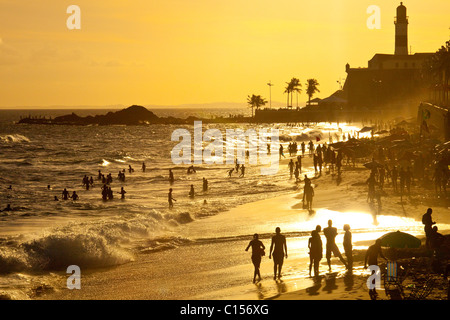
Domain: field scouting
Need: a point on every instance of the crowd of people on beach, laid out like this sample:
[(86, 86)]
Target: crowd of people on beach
[(278, 250)]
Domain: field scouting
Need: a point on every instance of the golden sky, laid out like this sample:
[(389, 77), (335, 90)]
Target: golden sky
[(171, 52)]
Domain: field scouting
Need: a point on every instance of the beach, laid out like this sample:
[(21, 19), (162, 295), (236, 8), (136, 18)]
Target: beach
[(215, 265), (138, 248)]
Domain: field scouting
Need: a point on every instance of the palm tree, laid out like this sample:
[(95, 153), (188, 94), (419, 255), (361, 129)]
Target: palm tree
[(255, 102), (287, 90), (437, 72), (292, 86), (311, 88)]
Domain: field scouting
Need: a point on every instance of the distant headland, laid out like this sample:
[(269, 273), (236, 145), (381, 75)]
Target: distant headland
[(133, 115)]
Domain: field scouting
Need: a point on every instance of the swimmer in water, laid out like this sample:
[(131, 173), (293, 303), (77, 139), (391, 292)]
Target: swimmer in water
[(74, 196), (65, 194), (122, 192)]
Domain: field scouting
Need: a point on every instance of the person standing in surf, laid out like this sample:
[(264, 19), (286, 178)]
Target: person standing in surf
[(171, 199), (331, 247), (257, 252), (279, 248)]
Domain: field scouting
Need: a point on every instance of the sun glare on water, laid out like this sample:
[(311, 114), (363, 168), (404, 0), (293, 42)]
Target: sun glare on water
[(357, 220)]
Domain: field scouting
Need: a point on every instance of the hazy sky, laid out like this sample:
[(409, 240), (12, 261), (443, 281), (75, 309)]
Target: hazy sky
[(171, 52)]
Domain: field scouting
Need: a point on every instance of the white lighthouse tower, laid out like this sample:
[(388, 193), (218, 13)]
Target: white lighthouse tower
[(401, 31)]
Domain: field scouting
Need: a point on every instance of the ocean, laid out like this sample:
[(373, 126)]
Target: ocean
[(41, 236)]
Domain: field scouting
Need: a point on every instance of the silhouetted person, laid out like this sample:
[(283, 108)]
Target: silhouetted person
[(309, 194), (55, 198), (143, 166), (315, 251), (281, 151), (74, 196), (436, 239), (171, 178), (371, 192), (242, 171), (331, 247), (171, 199), (291, 167), (191, 170), (279, 248), (348, 247), (299, 160), (297, 174), (371, 257), (230, 172), (428, 222), (257, 253), (192, 192), (8, 208), (205, 185), (65, 194), (122, 193)]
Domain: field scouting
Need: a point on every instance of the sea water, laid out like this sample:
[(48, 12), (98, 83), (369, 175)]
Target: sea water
[(41, 236)]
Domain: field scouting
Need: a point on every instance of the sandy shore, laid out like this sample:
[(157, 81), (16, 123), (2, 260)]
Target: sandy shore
[(215, 265)]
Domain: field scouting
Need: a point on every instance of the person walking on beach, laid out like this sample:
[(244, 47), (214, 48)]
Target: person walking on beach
[(171, 178), (303, 148), (371, 192), (171, 199), (299, 161), (315, 251), (330, 233), (311, 147), (428, 222), (281, 151), (279, 248), (291, 167), (348, 247), (297, 173), (242, 171), (143, 166), (309, 194), (192, 192), (205, 185), (257, 252)]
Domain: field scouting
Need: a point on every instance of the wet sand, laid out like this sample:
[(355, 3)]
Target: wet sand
[(214, 265)]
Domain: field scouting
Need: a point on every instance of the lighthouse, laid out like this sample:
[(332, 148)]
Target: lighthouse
[(401, 31)]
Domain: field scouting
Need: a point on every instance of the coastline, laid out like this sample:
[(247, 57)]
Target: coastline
[(211, 265)]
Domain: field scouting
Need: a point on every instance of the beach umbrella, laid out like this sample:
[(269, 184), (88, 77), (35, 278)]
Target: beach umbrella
[(398, 239), (372, 164), (366, 129)]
